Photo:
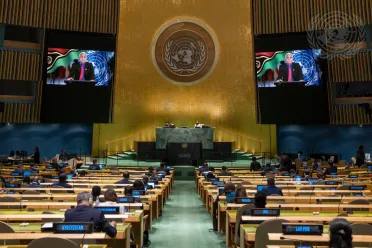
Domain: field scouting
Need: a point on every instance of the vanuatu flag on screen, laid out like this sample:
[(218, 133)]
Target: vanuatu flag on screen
[(61, 57), (268, 60)]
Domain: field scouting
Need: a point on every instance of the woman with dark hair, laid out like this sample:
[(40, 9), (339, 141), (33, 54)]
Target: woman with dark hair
[(138, 185), (96, 192), (240, 191), (360, 156), (129, 192), (229, 187), (111, 199), (340, 234)]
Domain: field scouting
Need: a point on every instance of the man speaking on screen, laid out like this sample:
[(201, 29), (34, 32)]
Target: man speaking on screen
[(290, 71), (81, 69)]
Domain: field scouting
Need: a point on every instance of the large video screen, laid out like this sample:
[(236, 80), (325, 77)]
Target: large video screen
[(68, 65), (291, 77), (78, 77), (273, 67)]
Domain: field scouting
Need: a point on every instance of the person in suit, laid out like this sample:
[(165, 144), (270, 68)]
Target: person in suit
[(255, 166), (203, 169), (125, 179), (81, 69), (163, 168), (95, 165), (290, 71), (96, 192), (37, 156), (62, 182), (271, 189), (332, 169), (361, 156), (225, 172), (138, 185), (83, 212)]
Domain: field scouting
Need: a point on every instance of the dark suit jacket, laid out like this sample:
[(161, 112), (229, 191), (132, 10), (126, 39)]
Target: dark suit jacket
[(37, 157), (88, 74), (296, 72), (272, 190), (85, 213), (225, 173), (94, 167), (124, 181), (64, 185), (255, 166)]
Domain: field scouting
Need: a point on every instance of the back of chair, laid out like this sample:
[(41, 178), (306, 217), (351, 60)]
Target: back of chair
[(31, 192), (5, 228), (237, 222), (361, 229), (364, 166), (359, 202), (269, 226), (52, 242), (9, 199), (342, 162)]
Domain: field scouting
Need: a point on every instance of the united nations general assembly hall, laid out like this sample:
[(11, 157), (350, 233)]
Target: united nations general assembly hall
[(185, 123)]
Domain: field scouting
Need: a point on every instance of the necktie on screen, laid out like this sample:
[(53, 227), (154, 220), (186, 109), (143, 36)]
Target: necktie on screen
[(289, 73), (82, 72)]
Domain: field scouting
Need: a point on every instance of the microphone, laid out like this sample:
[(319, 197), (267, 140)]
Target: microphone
[(312, 191), (338, 208)]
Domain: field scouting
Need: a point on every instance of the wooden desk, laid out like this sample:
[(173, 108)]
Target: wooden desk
[(121, 240), (324, 238)]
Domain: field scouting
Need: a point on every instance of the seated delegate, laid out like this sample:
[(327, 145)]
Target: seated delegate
[(111, 200), (83, 212), (271, 189), (125, 179), (62, 178)]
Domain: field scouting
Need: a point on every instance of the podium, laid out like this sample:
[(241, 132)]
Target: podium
[(179, 153), (290, 84)]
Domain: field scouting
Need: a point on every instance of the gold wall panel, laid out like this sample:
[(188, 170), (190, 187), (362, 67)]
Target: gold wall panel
[(357, 68), (284, 16), (99, 16), (144, 100), (16, 65)]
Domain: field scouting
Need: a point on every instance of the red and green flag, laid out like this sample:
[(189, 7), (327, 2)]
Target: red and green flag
[(61, 57), (268, 61)]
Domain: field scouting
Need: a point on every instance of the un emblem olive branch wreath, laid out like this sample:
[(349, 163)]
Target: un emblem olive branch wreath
[(197, 65)]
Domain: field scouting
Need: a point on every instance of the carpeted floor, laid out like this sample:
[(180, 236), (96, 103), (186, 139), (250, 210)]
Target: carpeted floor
[(185, 221)]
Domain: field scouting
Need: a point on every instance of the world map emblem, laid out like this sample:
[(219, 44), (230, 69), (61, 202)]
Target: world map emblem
[(185, 51)]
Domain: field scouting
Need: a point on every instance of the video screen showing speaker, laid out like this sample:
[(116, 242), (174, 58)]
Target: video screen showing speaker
[(78, 77), (295, 66), (66, 66), (291, 77)]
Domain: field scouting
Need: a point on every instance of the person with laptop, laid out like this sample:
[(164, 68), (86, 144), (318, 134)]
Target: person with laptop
[(271, 189), (240, 191), (255, 166), (129, 192), (83, 212), (138, 185), (95, 165), (34, 183), (225, 172), (62, 182), (332, 169), (111, 200), (320, 178), (229, 187), (163, 169), (145, 180), (125, 179)]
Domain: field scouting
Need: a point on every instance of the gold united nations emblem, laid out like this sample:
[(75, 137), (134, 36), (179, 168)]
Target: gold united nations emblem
[(185, 51), (184, 145)]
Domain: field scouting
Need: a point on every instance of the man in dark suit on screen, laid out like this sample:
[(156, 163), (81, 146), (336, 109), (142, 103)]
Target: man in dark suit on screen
[(290, 71), (81, 69)]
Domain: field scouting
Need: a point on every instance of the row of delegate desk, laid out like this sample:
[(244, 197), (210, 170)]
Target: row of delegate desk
[(299, 203), (29, 207)]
